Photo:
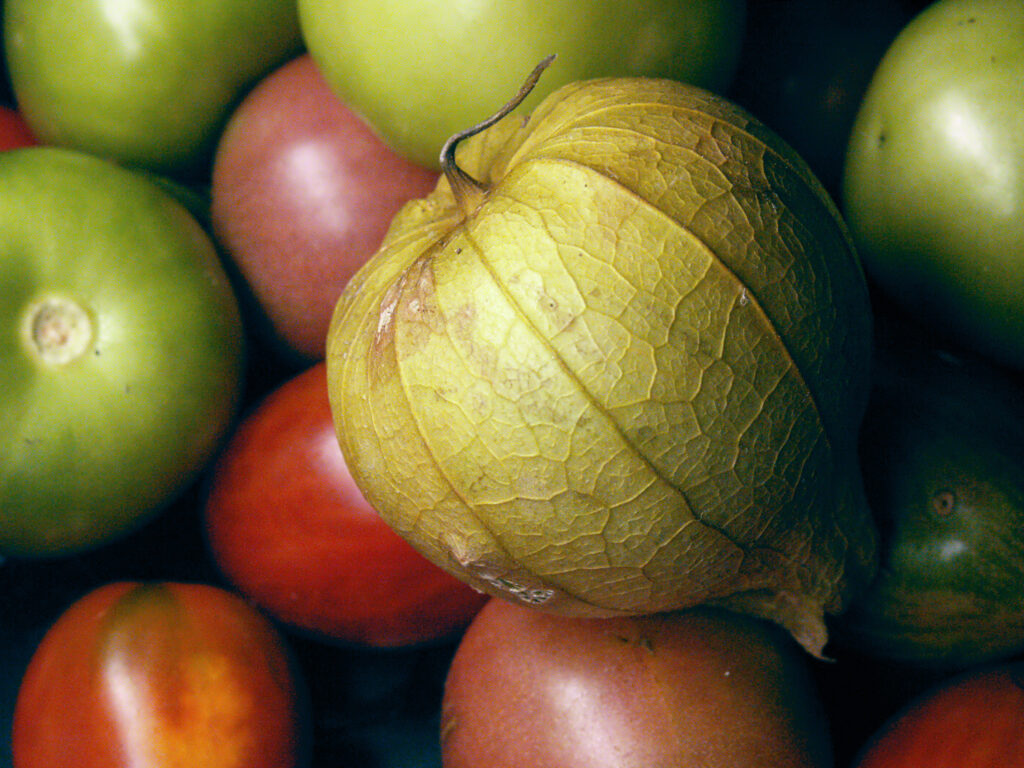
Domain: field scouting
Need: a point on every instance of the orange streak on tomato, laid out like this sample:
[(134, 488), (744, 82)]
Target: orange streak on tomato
[(158, 676)]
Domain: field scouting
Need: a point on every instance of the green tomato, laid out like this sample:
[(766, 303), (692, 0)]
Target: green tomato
[(145, 82), (121, 350), (933, 185), (941, 454), (420, 71)]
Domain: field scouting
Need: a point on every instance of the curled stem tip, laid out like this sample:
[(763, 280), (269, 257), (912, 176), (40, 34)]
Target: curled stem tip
[(467, 190)]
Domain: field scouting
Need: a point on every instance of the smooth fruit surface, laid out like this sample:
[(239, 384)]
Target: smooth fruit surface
[(146, 82), (121, 358), (164, 675), (689, 690), (301, 196), (288, 526), (14, 132), (942, 458), (972, 721), (420, 71), (933, 185)]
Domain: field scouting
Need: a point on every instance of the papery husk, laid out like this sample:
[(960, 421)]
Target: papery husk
[(628, 376)]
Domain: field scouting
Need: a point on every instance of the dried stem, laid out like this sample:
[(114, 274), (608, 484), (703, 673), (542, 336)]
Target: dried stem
[(469, 192)]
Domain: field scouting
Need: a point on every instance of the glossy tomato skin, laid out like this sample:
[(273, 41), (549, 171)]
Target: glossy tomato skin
[(420, 71), (147, 83), (162, 674), (122, 353), (301, 196), (975, 720), (14, 132), (941, 452), (689, 690), (288, 526), (933, 183)]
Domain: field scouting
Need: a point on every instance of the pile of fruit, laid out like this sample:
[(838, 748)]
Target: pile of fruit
[(594, 383)]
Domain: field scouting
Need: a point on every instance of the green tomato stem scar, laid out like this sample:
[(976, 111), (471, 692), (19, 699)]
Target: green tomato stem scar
[(58, 330), (469, 193)]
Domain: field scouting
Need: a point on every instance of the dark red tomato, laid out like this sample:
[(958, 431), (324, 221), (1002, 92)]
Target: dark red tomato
[(288, 526), (689, 690), (975, 720), (163, 675), (14, 132), (302, 192)]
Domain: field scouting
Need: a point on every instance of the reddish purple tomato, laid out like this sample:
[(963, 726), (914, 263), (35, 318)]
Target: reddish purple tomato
[(288, 526), (975, 720), (693, 689), (14, 132), (163, 675), (302, 193)]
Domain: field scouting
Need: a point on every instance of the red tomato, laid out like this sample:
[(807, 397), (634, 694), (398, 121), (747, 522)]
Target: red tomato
[(693, 688), (14, 132), (973, 721), (288, 526), (162, 675), (301, 194)]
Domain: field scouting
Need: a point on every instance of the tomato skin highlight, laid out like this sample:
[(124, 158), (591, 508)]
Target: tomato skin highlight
[(691, 689), (163, 675), (147, 83), (288, 526), (103, 424), (933, 178), (301, 195)]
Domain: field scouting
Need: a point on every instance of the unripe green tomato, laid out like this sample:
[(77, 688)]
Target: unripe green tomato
[(148, 83), (944, 472), (421, 70), (615, 363), (933, 186), (121, 356)]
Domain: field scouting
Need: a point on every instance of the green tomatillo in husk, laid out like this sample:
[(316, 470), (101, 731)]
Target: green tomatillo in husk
[(616, 363)]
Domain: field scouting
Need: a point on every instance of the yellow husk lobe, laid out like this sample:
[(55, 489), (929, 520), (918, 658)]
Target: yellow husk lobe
[(631, 379)]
